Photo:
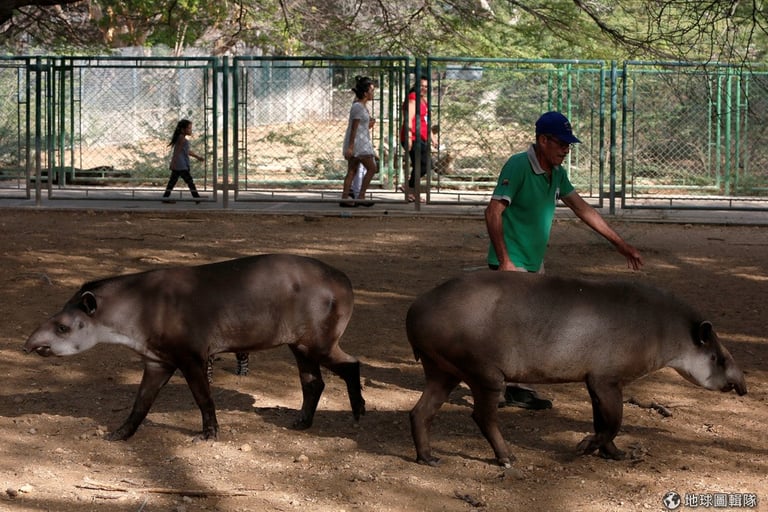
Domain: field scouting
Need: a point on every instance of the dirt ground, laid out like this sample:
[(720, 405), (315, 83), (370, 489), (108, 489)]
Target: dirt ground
[(54, 413)]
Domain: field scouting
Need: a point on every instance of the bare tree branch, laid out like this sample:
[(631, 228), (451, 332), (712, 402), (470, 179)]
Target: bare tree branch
[(8, 6)]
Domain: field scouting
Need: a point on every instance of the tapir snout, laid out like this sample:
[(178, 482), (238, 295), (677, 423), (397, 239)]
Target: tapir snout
[(42, 350), (707, 363), (62, 335), (734, 379), (488, 328)]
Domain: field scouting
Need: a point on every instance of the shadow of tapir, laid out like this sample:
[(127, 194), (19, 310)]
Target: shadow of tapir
[(488, 328), (176, 318)]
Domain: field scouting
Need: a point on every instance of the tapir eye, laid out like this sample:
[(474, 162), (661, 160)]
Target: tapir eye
[(62, 329)]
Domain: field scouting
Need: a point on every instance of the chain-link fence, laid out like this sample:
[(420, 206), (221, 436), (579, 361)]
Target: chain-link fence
[(102, 125), (693, 131), (272, 128), (123, 113), (291, 116), (15, 117), (485, 111)]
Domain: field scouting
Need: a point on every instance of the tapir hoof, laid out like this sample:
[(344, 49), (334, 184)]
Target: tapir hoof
[(210, 433), (302, 423), (358, 410), (607, 451), (506, 462), (428, 461), (121, 434), (587, 445)]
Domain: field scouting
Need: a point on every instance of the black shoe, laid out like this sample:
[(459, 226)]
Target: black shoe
[(525, 399), (367, 204), (168, 201), (348, 204)]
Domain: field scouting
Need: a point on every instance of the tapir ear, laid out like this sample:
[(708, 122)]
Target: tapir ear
[(704, 334), (88, 303)]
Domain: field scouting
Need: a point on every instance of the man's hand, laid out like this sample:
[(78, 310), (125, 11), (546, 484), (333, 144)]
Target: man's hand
[(510, 267), (634, 260)]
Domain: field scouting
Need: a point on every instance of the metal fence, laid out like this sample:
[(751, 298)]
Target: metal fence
[(100, 127), (654, 134), (290, 117), (486, 111), (693, 134), (15, 120)]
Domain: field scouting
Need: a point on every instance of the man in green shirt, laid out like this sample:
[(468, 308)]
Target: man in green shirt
[(520, 212)]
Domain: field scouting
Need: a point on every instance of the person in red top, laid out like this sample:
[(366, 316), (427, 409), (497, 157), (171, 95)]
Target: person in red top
[(408, 133)]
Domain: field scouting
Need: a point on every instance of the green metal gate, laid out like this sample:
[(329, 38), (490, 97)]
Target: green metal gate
[(693, 136), (289, 120), (486, 110), (655, 135)]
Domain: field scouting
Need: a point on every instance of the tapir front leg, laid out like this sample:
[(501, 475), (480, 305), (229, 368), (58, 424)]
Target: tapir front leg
[(607, 408), (486, 415), (156, 375), (195, 372)]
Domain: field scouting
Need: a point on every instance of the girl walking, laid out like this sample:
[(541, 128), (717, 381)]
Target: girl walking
[(358, 148), (180, 159)]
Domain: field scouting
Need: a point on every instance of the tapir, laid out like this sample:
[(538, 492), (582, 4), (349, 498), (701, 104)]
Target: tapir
[(488, 327), (176, 318)]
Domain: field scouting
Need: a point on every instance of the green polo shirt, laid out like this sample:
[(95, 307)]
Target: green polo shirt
[(531, 198)]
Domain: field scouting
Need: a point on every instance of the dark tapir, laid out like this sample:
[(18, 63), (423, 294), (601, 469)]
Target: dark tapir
[(175, 318), (488, 328)]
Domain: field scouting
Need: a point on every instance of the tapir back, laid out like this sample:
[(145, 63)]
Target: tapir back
[(250, 303), (548, 329)]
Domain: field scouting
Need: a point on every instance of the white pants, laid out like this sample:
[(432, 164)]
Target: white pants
[(357, 181)]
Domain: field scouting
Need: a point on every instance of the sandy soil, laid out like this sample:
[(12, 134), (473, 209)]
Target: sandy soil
[(54, 413)]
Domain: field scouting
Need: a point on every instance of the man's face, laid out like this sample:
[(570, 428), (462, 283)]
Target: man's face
[(553, 151)]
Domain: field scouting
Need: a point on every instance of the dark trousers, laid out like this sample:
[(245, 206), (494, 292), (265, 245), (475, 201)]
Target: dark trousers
[(426, 158), (186, 176)]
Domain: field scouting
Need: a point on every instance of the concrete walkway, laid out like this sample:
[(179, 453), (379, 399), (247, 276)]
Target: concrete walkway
[(387, 203)]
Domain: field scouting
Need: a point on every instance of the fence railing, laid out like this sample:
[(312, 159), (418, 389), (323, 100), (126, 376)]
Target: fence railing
[(655, 134)]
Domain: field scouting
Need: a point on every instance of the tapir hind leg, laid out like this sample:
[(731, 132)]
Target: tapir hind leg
[(156, 375), (439, 385), (348, 368), (312, 386), (607, 408)]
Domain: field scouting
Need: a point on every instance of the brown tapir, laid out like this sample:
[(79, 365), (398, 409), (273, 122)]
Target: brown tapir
[(175, 318), (488, 328)]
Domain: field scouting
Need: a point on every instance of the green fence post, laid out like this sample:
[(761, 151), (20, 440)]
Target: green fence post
[(612, 135), (225, 135), (728, 107)]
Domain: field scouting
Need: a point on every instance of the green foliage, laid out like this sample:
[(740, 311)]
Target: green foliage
[(168, 22), (686, 30)]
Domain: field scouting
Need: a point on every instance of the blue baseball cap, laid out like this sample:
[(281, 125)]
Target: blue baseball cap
[(557, 125)]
